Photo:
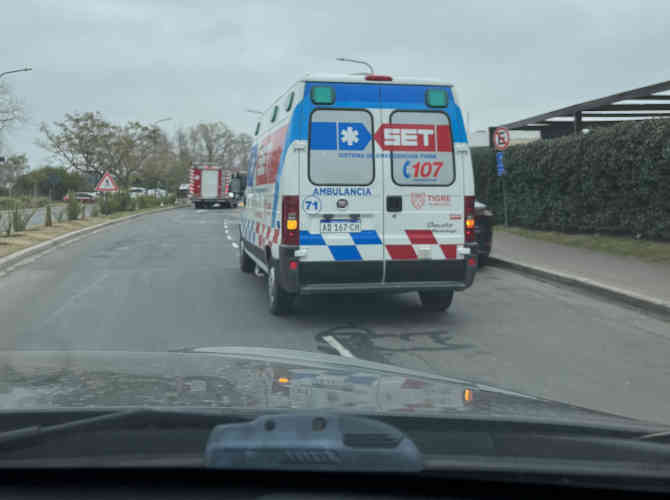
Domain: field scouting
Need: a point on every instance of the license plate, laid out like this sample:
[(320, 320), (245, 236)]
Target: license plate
[(340, 227)]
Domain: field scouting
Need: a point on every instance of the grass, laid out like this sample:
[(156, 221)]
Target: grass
[(650, 251), (38, 234)]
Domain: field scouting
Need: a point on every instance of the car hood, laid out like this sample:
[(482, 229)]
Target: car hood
[(256, 379)]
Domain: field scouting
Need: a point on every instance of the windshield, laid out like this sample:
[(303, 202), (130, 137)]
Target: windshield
[(205, 208)]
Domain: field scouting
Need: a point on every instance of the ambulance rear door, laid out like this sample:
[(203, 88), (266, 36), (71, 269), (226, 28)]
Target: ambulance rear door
[(341, 188), (423, 189)]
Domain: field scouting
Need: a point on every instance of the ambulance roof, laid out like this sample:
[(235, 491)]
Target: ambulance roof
[(348, 78)]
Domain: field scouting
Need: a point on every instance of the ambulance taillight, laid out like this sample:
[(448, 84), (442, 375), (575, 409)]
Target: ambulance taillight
[(469, 218), (290, 220)]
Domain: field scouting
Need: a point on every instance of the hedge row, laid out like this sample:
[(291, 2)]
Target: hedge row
[(613, 180)]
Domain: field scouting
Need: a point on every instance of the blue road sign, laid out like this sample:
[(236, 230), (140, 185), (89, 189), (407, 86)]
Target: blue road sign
[(499, 163)]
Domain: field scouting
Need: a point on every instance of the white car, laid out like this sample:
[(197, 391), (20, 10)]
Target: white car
[(134, 192), (157, 193)]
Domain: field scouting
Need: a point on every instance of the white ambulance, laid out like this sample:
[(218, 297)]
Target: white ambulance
[(361, 183)]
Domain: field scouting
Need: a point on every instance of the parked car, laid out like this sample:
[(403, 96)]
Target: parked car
[(134, 192), (82, 197), (483, 231), (157, 193)]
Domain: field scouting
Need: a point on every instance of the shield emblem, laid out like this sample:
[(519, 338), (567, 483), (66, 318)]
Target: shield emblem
[(418, 200)]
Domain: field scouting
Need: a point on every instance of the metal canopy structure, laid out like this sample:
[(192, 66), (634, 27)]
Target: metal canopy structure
[(643, 103)]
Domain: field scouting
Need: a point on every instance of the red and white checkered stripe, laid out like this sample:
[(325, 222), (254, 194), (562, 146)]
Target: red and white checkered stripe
[(421, 243), (265, 235)]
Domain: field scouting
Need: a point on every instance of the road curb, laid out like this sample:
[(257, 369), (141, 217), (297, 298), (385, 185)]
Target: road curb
[(631, 298), (16, 258)]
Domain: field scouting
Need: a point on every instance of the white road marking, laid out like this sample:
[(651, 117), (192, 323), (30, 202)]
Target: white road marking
[(200, 211), (236, 245), (229, 237), (335, 344)]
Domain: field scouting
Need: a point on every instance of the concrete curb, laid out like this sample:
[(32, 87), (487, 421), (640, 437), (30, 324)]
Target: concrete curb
[(631, 298), (16, 257)]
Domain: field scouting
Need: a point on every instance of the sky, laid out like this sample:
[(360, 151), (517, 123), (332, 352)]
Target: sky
[(202, 61)]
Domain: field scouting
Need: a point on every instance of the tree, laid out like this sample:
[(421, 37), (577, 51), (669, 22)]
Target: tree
[(130, 147), (241, 148), (11, 169), (80, 142), (212, 143), (11, 109), (88, 143), (51, 181)]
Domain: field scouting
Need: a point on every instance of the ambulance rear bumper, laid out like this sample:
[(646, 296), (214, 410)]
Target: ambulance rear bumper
[(414, 286), (360, 277)]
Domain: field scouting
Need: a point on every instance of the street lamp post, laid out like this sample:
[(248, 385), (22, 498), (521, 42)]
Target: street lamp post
[(15, 71), (357, 61)]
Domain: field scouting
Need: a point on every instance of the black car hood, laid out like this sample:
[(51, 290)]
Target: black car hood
[(256, 379)]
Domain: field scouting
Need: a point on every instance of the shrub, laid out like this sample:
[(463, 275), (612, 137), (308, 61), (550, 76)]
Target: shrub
[(60, 215), (48, 220), (73, 207), (95, 211), (612, 180)]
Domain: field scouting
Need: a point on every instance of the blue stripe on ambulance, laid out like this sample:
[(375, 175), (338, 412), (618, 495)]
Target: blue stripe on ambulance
[(361, 96), (342, 252), (307, 238), (367, 237), (345, 252)]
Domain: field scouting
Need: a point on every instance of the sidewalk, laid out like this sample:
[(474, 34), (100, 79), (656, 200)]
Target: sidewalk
[(620, 275)]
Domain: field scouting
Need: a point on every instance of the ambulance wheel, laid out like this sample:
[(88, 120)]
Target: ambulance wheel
[(280, 300), (436, 301), (246, 264)]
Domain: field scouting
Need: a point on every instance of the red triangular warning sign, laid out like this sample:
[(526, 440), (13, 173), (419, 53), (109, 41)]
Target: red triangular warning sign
[(107, 184)]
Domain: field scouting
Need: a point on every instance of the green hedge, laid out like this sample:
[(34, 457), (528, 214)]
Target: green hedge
[(613, 180)]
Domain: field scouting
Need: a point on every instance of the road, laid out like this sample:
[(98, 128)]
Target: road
[(171, 280)]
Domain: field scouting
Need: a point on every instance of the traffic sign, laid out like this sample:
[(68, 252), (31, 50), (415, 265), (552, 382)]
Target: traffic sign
[(499, 163), (501, 138), (107, 184)]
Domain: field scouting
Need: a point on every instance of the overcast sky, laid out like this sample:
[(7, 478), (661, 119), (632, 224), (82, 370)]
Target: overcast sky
[(209, 60)]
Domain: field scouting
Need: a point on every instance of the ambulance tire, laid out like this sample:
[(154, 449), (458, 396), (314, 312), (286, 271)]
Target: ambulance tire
[(280, 300), (436, 301), (246, 264)]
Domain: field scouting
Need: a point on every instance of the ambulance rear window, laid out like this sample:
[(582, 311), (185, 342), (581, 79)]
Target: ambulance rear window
[(422, 152), (323, 95), (341, 147)]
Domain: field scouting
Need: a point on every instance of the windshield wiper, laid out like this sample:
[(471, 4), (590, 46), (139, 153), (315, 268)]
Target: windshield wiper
[(28, 436)]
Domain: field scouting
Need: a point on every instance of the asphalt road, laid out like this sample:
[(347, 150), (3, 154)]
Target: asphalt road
[(171, 280)]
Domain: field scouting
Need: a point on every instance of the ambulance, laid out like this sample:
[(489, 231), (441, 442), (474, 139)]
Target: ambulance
[(359, 184)]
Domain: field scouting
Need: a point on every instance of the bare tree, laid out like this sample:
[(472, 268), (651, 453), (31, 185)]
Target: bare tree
[(11, 169), (11, 110), (131, 146), (241, 148), (212, 143)]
